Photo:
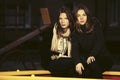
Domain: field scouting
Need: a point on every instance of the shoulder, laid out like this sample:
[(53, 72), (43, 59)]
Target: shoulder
[(48, 33), (96, 22), (75, 34)]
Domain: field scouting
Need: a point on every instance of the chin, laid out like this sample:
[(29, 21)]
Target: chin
[(82, 24)]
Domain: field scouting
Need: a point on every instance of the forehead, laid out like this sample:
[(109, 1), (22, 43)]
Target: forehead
[(80, 11), (63, 15)]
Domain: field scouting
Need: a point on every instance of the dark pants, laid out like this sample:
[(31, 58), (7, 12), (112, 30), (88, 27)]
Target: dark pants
[(62, 67), (95, 69)]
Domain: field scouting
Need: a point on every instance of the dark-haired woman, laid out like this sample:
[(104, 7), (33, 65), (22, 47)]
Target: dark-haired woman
[(61, 63)]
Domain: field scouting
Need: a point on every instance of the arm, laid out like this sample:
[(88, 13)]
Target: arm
[(99, 43), (75, 49), (75, 55)]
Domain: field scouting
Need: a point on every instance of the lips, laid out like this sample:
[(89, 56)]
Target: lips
[(63, 24), (82, 21)]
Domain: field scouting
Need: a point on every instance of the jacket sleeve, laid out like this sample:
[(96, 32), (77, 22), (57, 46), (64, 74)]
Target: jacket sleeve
[(99, 42), (75, 50)]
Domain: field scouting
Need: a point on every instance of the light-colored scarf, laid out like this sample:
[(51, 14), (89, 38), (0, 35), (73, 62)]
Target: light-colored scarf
[(54, 42)]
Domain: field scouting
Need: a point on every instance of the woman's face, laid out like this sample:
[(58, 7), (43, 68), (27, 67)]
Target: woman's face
[(63, 20), (81, 17)]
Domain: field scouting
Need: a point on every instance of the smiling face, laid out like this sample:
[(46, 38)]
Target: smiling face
[(81, 17), (63, 20)]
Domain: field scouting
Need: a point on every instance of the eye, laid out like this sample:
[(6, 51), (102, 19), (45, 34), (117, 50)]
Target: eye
[(78, 15), (84, 15), (66, 18)]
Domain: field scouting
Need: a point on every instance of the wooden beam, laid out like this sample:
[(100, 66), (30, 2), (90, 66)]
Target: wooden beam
[(26, 72), (45, 16), (45, 75), (112, 73), (41, 78), (23, 39)]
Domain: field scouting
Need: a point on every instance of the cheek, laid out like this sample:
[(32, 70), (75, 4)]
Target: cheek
[(60, 21), (85, 18), (78, 19), (68, 23)]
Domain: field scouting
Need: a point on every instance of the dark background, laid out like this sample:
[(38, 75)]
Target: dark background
[(21, 17)]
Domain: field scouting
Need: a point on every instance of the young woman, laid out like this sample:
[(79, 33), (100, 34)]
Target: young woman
[(88, 48), (61, 63)]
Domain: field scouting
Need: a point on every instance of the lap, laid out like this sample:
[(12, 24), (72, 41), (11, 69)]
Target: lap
[(61, 64)]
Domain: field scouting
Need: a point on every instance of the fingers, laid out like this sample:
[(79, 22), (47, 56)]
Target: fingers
[(53, 57), (82, 67), (90, 59), (79, 68)]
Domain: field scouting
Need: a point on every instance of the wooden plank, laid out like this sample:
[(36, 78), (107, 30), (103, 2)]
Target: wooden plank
[(23, 39), (26, 72), (42, 73), (45, 16), (42, 78), (114, 73)]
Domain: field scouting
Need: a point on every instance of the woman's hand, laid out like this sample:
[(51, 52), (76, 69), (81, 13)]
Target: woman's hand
[(53, 57), (90, 59), (79, 68)]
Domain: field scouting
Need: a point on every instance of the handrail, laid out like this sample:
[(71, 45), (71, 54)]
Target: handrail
[(23, 39)]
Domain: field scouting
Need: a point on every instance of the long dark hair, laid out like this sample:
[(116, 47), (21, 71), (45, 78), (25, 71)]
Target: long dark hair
[(66, 10), (89, 25)]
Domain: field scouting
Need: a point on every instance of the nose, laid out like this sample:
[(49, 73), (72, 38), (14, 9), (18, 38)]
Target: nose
[(81, 17), (62, 20)]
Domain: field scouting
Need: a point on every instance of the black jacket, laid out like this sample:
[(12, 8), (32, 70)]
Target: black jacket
[(88, 44)]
